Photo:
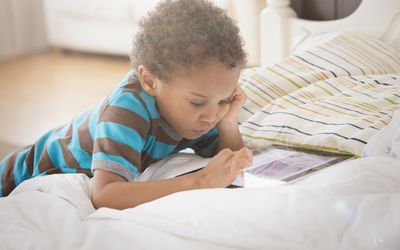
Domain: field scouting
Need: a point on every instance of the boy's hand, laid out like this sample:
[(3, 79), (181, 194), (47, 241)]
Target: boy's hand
[(224, 167), (238, 99)]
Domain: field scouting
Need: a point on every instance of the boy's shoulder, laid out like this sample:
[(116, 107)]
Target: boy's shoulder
[(129, 97)]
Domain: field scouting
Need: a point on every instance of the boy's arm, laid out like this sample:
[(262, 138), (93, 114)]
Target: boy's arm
[(228, 127), (112, 190), (230, 136)]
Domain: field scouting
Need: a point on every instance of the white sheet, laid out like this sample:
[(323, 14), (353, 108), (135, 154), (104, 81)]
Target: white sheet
[(386, 141), (354, 205)]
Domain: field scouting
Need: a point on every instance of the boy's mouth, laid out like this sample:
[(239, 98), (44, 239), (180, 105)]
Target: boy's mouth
[(200, 132), (203, 130)]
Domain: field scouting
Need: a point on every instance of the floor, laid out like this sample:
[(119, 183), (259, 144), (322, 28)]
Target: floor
[(41, 91)]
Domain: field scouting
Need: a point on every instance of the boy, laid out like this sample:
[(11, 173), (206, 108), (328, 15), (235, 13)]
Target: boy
[(183, 93)]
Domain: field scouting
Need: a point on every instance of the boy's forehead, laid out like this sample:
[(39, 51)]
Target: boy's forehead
[(207, 94), (208, 83)]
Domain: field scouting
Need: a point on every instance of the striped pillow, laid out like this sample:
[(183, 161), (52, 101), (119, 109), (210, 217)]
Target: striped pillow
[(332, 96)]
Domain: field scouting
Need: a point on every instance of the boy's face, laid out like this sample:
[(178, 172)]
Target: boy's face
[(194, 103)]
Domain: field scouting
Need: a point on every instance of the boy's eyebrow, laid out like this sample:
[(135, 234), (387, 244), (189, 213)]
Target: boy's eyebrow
[(197, 94), (233, 92), (203, 96)]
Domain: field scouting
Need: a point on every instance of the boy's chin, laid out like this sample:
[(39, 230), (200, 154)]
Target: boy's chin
[(192, 136)]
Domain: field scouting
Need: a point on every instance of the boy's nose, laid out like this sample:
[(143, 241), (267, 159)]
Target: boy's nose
[(210, 115)]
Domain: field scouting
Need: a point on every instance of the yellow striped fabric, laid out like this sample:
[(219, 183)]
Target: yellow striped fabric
[(332, 96)]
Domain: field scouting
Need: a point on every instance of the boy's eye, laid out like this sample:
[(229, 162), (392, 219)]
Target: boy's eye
[(197, 104), (224, 102)]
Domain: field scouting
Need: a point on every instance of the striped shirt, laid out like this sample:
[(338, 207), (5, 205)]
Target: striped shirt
[(123, 134)]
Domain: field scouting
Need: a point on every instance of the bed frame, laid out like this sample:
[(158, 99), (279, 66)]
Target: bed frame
[(281, 30)]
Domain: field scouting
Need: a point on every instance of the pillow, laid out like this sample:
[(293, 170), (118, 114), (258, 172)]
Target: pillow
[(333, 96)]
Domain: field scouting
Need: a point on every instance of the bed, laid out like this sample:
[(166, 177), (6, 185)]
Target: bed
[(333, 86)]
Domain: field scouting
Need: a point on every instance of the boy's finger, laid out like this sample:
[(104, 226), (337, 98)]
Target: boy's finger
[(246, 153), (240, 163), (224, 154)]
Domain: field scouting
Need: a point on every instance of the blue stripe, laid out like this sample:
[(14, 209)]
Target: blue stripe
[(294, 98), (332, 86), (308, 134), (2, 168), (125, 80), (357, 80), (268, 130), (94, 119), (315, 121), (121, 134), (128, 101), (150, 104), (347, 46), (83, 158), (378, 82), (39, 148), (21, 171), (291, 72), (380, 51), (159, 149), (341, 107), (326, 60), (341, 57), (256, 86), (317, 66), (115, 159), (280, 126), (248, 110), (55, 154), (53, 148)]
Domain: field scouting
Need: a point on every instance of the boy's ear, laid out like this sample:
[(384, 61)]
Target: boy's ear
[(147, 80)]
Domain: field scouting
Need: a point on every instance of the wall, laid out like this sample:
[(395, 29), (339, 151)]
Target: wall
[(21, 27)]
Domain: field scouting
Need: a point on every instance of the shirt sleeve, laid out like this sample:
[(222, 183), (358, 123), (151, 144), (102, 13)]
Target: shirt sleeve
[(120, 136), (206, 145)]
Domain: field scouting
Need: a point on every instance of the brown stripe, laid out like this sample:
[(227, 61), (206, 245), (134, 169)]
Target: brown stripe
[(85, 171), (85, 140), (56, 129), (160, 134), (133, 85), (68, 157), (181, 145), (7, 180), (104, 105), (135, 88), (45, 164), (53, 171), (127, 118), (111, 147), (155, 130), (30, 158), (147, 160), (201, 145)]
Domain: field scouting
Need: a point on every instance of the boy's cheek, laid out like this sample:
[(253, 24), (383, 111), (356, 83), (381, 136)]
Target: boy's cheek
[(225, 111)]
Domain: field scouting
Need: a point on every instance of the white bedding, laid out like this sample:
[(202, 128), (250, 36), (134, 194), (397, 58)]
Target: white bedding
[(354, 205), (333, 96)]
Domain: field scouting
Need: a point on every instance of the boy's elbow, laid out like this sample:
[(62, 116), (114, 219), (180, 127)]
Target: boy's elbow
[(107, 196), (98, 198), (102, 197), (104, 189)]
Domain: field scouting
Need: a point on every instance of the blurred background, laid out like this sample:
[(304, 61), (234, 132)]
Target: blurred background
[(60, 57)]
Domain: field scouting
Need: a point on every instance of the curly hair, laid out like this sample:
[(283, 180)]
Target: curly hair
[(185, 35)]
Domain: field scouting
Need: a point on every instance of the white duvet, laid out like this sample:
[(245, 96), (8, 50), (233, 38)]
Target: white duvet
[(354, 205)]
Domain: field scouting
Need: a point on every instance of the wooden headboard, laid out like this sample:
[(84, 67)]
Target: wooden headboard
[(281, 30)]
